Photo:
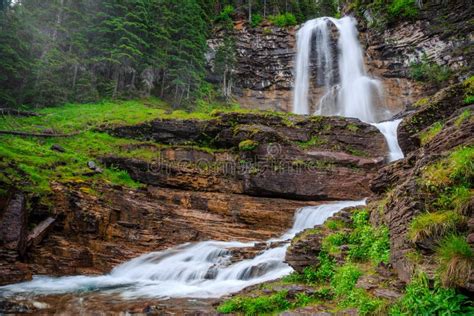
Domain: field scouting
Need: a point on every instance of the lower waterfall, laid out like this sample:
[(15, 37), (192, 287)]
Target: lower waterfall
[(199, 270)]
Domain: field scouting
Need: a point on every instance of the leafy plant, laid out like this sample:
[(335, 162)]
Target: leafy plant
[(283, 20), (426, 70), (256, 305), (420, 299), (332, 242), (404, 8), (365, 304), (257, 19), (456, 260), (345, 279)]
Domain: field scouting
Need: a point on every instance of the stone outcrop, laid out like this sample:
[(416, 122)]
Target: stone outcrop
[(405, 196), (286, 153)]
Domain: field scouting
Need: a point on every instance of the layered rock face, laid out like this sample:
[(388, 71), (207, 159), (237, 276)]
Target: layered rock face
[(263, 75), (234, 176), (278, 156)]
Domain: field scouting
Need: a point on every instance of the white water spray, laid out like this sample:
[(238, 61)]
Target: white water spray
[(355, 94), (197, 270)]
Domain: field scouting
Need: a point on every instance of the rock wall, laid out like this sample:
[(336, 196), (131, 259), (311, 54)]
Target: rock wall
[(264, 72)]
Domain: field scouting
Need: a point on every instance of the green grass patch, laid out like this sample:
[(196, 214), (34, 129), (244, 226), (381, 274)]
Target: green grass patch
[(456, 259), (464, 116), (433, 225), (430, 133), (457, 168), (314, 141)]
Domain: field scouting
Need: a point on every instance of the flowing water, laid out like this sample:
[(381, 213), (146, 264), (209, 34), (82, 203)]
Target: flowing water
[(205, 269), (199, 270), (355, 94)]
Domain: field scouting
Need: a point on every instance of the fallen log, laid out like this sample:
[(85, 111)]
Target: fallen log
[(28, 134), (13, 112)]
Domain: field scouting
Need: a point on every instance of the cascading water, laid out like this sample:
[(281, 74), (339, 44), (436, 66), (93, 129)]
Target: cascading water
[(355, 94), (197, 270)]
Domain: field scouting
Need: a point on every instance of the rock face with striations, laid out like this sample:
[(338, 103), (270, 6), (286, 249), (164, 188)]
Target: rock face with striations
[(284, 153)]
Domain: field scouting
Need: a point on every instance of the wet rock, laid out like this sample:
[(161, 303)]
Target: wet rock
[(40, 231)]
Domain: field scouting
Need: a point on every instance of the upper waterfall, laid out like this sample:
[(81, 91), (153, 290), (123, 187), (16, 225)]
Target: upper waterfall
[(355, 94)]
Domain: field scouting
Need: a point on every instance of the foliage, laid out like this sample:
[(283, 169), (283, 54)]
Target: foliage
[(365, 304), (367, 242), (428, 71), (345, 279), (257, 19), (315, 275), (456, 260), (332, 242), (454, 198), (225, 15), (404, 8), (256, 305), (248, 145), (431, 132), (433, 225), (420, 299), (283, 20), (81, 51)]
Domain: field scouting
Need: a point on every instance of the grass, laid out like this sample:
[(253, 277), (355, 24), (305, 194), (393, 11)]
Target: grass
[(430, 133), (458, 167), (30, 163), (465, 115), (433, 225), (455, 258), (454, 198)]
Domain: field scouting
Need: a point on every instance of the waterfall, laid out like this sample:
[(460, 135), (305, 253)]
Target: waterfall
[(355, 94), (197, 270)]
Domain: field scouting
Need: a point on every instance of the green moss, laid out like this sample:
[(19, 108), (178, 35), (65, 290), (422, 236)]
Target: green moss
[(356, 152), (421, 102), (256, 305), (433, 225), (314, 141), (428, 135), (248, 145)]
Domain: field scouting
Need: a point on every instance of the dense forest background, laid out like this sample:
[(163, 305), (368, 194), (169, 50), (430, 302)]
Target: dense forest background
[(58, 51)]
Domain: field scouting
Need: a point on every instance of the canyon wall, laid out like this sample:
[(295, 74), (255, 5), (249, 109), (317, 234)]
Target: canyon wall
[(264, 70)]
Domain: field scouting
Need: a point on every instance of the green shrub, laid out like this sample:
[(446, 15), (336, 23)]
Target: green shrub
[(456, 259), (404, 8), (365, 304), (426, 70), (312, 275), (256, 305), (334, 224), (469, 99), (420, 299), (332, 242), (283, 20), (428, 135), (225, 15), (433, 225), (345, 279), (248, 145), (367, 242), (257, 19)]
